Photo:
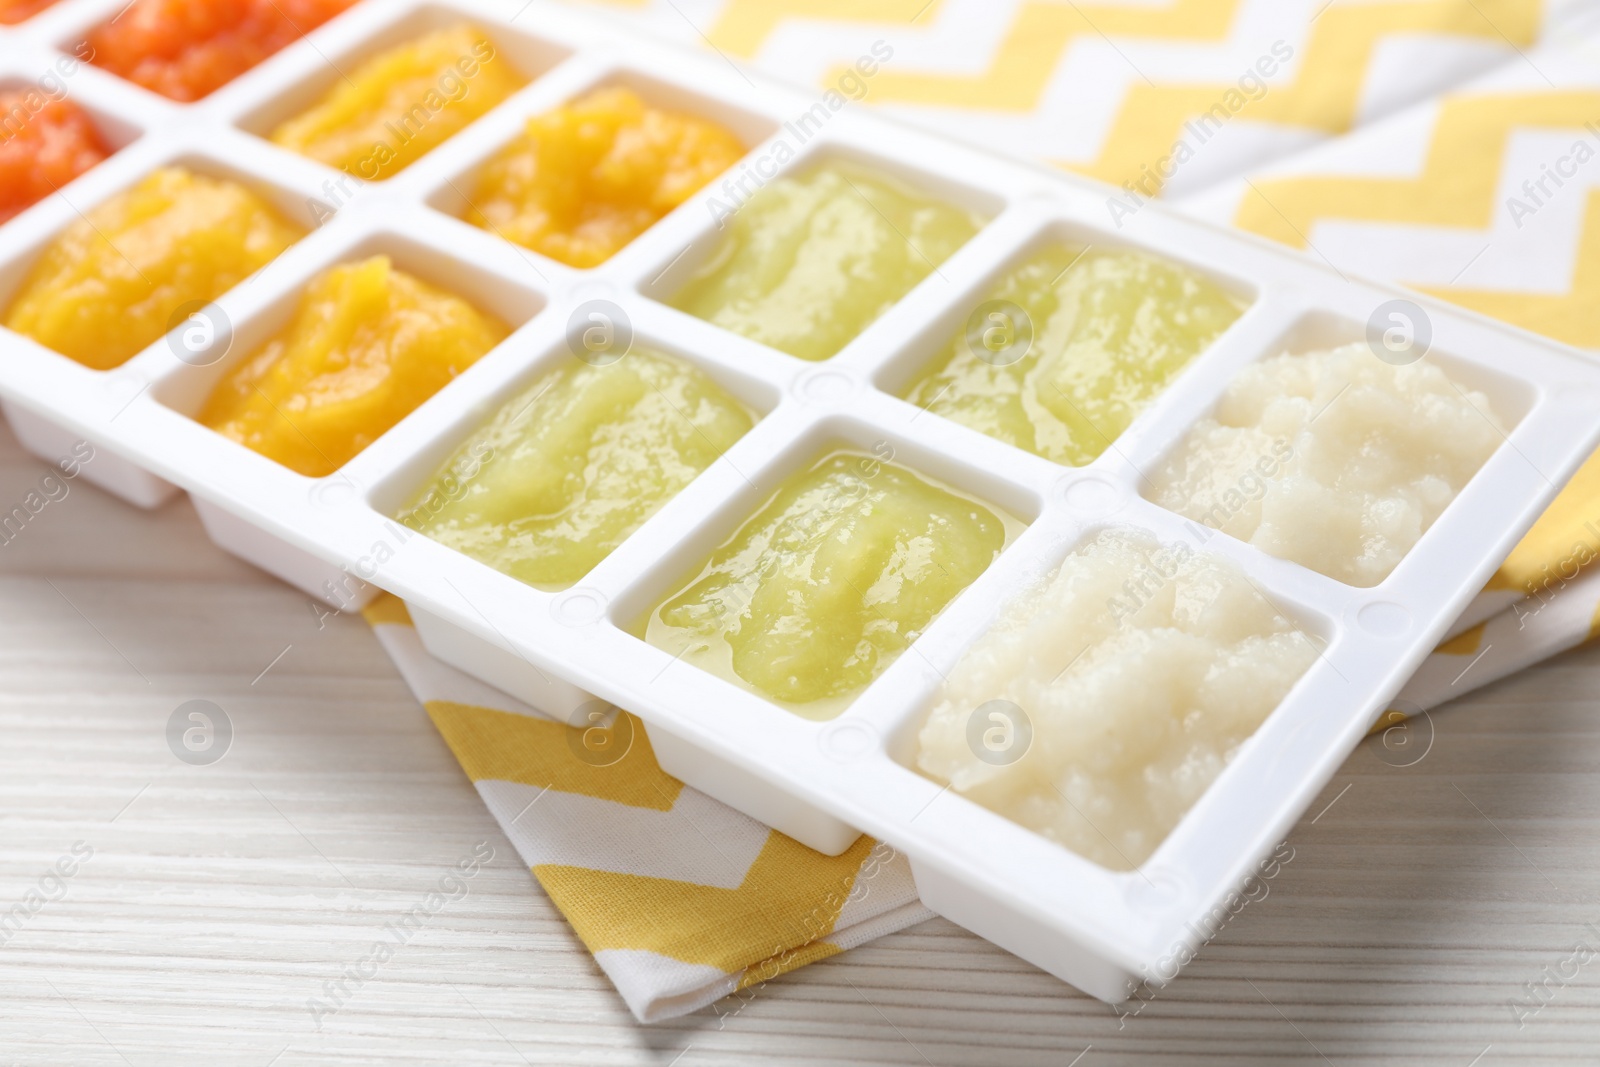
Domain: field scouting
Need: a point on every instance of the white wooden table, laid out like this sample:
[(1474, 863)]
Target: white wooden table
[(218, 900)]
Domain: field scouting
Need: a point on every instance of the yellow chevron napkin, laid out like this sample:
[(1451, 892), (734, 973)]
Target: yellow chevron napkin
[(1176, 93), (682, 900)]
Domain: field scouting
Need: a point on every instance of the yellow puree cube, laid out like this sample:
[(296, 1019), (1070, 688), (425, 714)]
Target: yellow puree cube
[(109, 286), (401, 104), (585, 179), (366, 346)]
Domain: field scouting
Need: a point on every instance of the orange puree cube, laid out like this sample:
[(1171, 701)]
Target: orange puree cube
[(111, 284), (366, 346), (585, 179), (187, 49), (44, 144), (15, 11), (400, 104)]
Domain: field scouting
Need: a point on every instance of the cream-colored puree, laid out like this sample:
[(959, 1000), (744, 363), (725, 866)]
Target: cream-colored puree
[(1335, 460), (1140, 668)]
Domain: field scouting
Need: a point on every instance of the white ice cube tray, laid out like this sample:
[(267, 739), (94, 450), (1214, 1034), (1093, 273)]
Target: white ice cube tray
[(1102, 931)]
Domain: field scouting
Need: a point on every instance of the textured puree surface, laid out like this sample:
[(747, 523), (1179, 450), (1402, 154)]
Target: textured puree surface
[(1335, 460), (838, 574), (566, 471), (187, 49), (367, 344), (55, 143), (1110, 330), (583, 180), (1141, 669), (810, 261), (111, 283), (395, 107)]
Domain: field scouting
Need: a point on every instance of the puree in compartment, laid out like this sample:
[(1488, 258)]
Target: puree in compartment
[(388, 112), (1100, 334), (809, 262), (44, 144), (112, 282), (571, 468), (585, 179), (186, 49), (836, 576), (1140, 669), (1336, 460), (366, 345), (15, 11)]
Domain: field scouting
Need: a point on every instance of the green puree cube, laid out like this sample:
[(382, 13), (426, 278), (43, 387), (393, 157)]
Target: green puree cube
[(809, 262), (836, 576), (1099, 335), (569, 469)]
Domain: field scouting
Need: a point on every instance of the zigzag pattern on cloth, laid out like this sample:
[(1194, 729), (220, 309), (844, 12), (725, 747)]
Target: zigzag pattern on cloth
[(1333, 57), (1459, 186)]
